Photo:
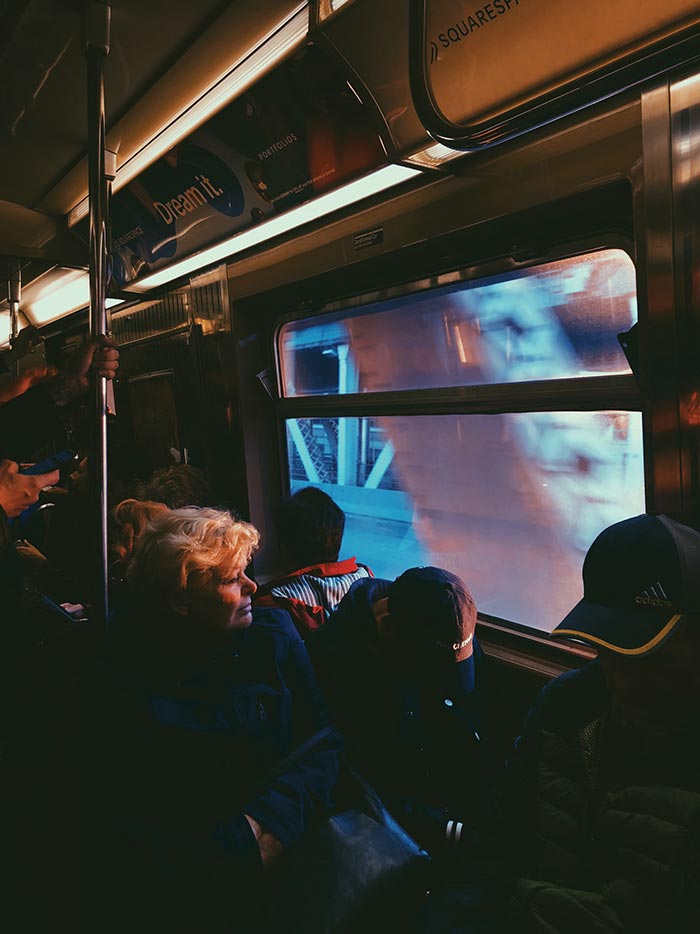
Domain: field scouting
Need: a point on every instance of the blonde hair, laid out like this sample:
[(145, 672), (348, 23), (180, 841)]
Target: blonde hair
[(127, 521), (185, 548)]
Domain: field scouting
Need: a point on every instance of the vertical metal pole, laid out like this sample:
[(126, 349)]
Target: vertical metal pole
[(684, 104), (14, 295), (96, 35)]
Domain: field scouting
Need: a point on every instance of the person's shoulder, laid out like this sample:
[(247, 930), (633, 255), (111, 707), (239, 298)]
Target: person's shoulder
[(352, 625), (274, 621), (353, 616), (364, 591), (127, 615), (572, 700)]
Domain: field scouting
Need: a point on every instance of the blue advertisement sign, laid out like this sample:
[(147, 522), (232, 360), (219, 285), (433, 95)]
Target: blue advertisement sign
[(297, 133)]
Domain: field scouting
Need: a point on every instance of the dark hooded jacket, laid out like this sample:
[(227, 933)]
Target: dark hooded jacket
[(199, 741), (418, 739)]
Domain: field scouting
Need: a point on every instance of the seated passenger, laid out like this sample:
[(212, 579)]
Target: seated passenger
[(396, 662), (177, 486), (127, 522), (216, 696), (311, 530), (599, 827)]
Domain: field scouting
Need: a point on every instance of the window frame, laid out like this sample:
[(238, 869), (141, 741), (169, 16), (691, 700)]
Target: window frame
[(588, 393)]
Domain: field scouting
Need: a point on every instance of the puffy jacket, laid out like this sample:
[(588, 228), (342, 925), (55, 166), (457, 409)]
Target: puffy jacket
[(596, 831)]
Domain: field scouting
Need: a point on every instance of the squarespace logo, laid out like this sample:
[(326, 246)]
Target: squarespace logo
[(470, 24)]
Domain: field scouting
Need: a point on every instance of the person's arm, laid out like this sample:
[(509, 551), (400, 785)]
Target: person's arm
[(269, 846), (495, 853), (286, 804), (5, 531), (18, 490), (29, 420), (18, 385), (503, 830)]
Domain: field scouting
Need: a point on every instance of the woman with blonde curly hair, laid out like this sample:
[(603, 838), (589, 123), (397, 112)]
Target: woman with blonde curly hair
[(219, 694)]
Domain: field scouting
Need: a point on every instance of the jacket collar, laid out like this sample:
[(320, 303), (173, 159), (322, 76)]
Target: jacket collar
[(332, 569)]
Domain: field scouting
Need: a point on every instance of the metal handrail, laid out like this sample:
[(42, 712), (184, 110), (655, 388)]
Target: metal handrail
[(96, 39)]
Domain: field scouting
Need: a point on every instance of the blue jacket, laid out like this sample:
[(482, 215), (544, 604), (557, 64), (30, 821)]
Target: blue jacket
[(204, 737)]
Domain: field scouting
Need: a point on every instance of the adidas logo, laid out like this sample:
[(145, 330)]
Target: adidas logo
[(654, 596)]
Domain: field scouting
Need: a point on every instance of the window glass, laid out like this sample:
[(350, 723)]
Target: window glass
[(509, 502), (552, 321)]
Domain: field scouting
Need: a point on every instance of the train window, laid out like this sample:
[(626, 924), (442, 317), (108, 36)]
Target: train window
[(509, 502), (553, 321), (509, 499)]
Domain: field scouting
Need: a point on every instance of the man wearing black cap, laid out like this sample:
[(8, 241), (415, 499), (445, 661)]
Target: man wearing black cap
[(599, 828), (397, 663)]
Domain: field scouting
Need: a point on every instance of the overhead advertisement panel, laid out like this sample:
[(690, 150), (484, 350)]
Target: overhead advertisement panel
[(486, 59), (297, 133)]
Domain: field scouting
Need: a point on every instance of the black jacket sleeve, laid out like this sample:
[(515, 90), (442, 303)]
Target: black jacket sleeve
[(497, 850), (303, 787), (28, 423)]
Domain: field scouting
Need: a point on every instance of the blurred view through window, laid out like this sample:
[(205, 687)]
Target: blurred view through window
[(545, 322), (510, 502)]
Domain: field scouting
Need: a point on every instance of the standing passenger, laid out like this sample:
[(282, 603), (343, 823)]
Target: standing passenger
[(311, 527)]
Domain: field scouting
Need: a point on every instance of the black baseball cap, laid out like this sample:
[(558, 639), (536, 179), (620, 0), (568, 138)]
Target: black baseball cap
[(640, 577), (440, 614)]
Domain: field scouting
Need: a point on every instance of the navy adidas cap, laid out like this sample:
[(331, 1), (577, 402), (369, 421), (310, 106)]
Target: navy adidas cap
[(640, 577)]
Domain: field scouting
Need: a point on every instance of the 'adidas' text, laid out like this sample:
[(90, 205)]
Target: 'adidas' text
[(652, 601)]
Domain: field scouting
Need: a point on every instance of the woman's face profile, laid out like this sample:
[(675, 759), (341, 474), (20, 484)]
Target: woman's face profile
[(223, 603)]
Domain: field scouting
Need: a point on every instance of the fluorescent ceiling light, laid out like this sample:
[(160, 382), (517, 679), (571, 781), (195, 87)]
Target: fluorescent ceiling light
[(329, 7), (433, 156), (278, 42), (5, 326), (361, 188), (58, 293)]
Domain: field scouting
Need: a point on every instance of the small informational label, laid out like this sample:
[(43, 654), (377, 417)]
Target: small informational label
[(368, 238), (267, 381)]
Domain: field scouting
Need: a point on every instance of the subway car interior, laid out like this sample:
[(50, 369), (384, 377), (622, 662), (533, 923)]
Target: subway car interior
[(440, 261)]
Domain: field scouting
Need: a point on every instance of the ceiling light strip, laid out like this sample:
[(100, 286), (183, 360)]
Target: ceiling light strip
[(276, 45), (60, 292), (348, 194), (57, 293), (433, 156)]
